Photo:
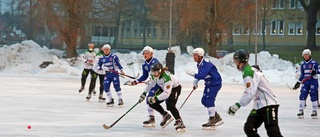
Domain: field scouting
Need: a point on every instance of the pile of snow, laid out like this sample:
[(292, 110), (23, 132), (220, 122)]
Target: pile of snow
[(26, 57)]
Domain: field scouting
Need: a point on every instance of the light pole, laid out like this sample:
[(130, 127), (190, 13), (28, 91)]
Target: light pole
[(170, 55), (256, 36)]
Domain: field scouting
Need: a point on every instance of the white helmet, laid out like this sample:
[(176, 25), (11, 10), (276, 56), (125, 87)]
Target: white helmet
[(198, 51), (106, 46), (306, 51), (147, 48)]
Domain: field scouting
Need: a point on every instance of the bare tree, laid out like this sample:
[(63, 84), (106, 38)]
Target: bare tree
[(68, 17), (209, 18), (26, 15), (312, 10)]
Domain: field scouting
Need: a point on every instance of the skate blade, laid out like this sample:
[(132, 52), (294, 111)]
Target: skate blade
[(314, 117), (149, 125), (219, 123), (110, 105), (209, 128), (120, 106), (168, 122), (181, 130), (300, 117), (100, 100)]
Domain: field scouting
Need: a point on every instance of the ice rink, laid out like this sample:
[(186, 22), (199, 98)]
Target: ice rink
[(53, 107)]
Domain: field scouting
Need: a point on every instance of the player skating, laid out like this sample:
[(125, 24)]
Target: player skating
[(169, 93), (308, 74), (97, 74), (257, 88), (149, 61), (111, 65), (208, 72), (87, 58)]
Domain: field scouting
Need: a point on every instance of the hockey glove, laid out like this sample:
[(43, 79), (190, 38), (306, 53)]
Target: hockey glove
[(152, 100), (195, 84), (233, 109), (121, 72), (314, 72), (191, 73), (132, 83), (142, 97), (297, 85)]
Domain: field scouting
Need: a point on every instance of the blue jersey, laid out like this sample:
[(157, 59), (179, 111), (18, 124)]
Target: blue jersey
[(306, 70), (209, 73), (109, 63), (146, 69)]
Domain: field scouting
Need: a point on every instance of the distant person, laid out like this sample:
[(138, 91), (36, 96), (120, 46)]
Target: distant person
[(208, 72), (110, 63), (257, 88), (97, 73), (149, 61), (87, 57), (309, 80), (169, 92)]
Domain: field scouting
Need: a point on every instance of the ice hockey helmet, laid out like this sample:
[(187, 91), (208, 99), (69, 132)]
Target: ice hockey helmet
[(198, 51), (147, 48), (156, 67), (306, 51), (106, 46), (241, 56)]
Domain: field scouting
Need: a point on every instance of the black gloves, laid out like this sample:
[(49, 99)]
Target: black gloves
[(314, 72), (297, 85)]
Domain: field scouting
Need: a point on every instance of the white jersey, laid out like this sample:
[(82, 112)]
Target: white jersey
[(257, 89), (166, 81), (88, 59), (96, 67)]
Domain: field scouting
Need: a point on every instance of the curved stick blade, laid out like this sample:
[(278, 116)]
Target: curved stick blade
[(105, 126), (291, 88)]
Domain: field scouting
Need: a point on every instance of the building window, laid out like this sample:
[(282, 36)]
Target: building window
[(125, 28), (136, 29), (278, 4), (246, 30), (104, 31), (299, 28), (96, 30), (236, 30), (293, 4), (318, 28), (291, 28), (152, 30), (277, 27)]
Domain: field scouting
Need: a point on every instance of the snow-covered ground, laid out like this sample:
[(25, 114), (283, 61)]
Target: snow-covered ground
[(48, 98)]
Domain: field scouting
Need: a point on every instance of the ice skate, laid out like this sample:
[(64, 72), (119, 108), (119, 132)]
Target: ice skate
[(81, 89), (150, 122), (101, 98), (110, 103), (300, 114), (120, 103), (210, 124), (88, 97), (180, 127), (314, 114), (167, 119), (218, 120)]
